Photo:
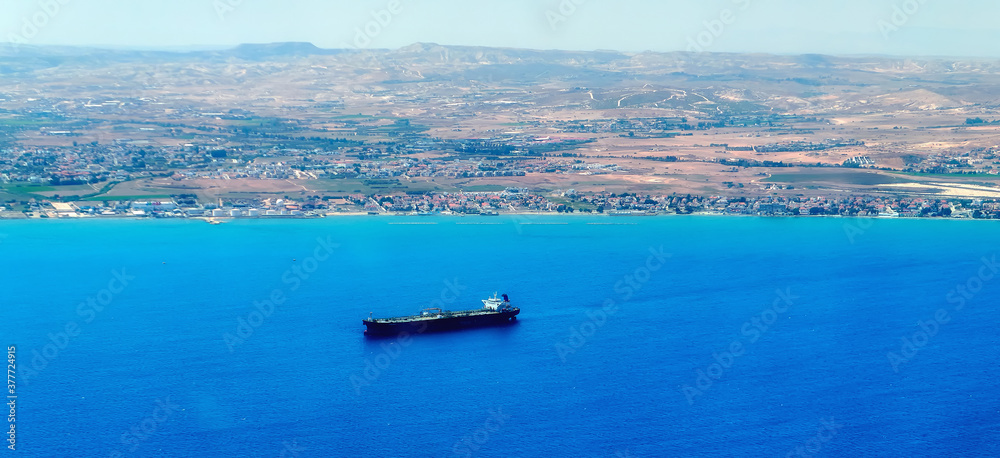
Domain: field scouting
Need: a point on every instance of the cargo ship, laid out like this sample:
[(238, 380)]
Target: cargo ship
[(496, 311)]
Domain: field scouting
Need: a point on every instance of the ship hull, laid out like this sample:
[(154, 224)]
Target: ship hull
[(448, 322)]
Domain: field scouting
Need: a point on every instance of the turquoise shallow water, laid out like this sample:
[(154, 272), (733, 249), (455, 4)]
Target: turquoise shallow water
[(754, 336)]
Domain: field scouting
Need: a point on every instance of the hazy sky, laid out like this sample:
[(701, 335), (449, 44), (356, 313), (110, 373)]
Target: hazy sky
[(902, 27)]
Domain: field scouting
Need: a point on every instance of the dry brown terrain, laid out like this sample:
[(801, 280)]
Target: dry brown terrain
[(904, 114)]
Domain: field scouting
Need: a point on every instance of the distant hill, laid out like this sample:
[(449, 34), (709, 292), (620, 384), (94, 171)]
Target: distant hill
[(423, 61), (432, 53), (258, 52)]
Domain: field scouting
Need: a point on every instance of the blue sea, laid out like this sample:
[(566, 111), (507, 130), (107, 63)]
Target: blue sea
[(658, 336)]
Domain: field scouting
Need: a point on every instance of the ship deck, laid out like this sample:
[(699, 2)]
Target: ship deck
[(435, 316)]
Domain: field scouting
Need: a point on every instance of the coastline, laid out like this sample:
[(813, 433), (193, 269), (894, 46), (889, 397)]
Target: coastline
[(484, 218)]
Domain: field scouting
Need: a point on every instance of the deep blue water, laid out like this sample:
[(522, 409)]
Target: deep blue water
[(152, 373)]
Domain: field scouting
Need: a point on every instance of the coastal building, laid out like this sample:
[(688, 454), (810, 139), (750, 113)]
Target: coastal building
[(773, 208), (63, 209), (154, 206)]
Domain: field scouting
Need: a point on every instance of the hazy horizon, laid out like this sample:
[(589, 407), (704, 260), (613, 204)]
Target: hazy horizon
[(853, 27), (227, 47)]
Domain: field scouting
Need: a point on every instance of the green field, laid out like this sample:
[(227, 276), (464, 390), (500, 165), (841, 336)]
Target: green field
[(357, 116), (113, 198), (952, 176), (841, 177), (483, 188), (577, 205), (386, 186), (22, 122), (27, 189), (256, 122), (75, 192), (20, 194)]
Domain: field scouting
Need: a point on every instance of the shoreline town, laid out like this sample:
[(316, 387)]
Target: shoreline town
[(512, 201)]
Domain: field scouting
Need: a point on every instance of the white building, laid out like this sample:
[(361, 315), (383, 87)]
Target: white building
[(155, 206)]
